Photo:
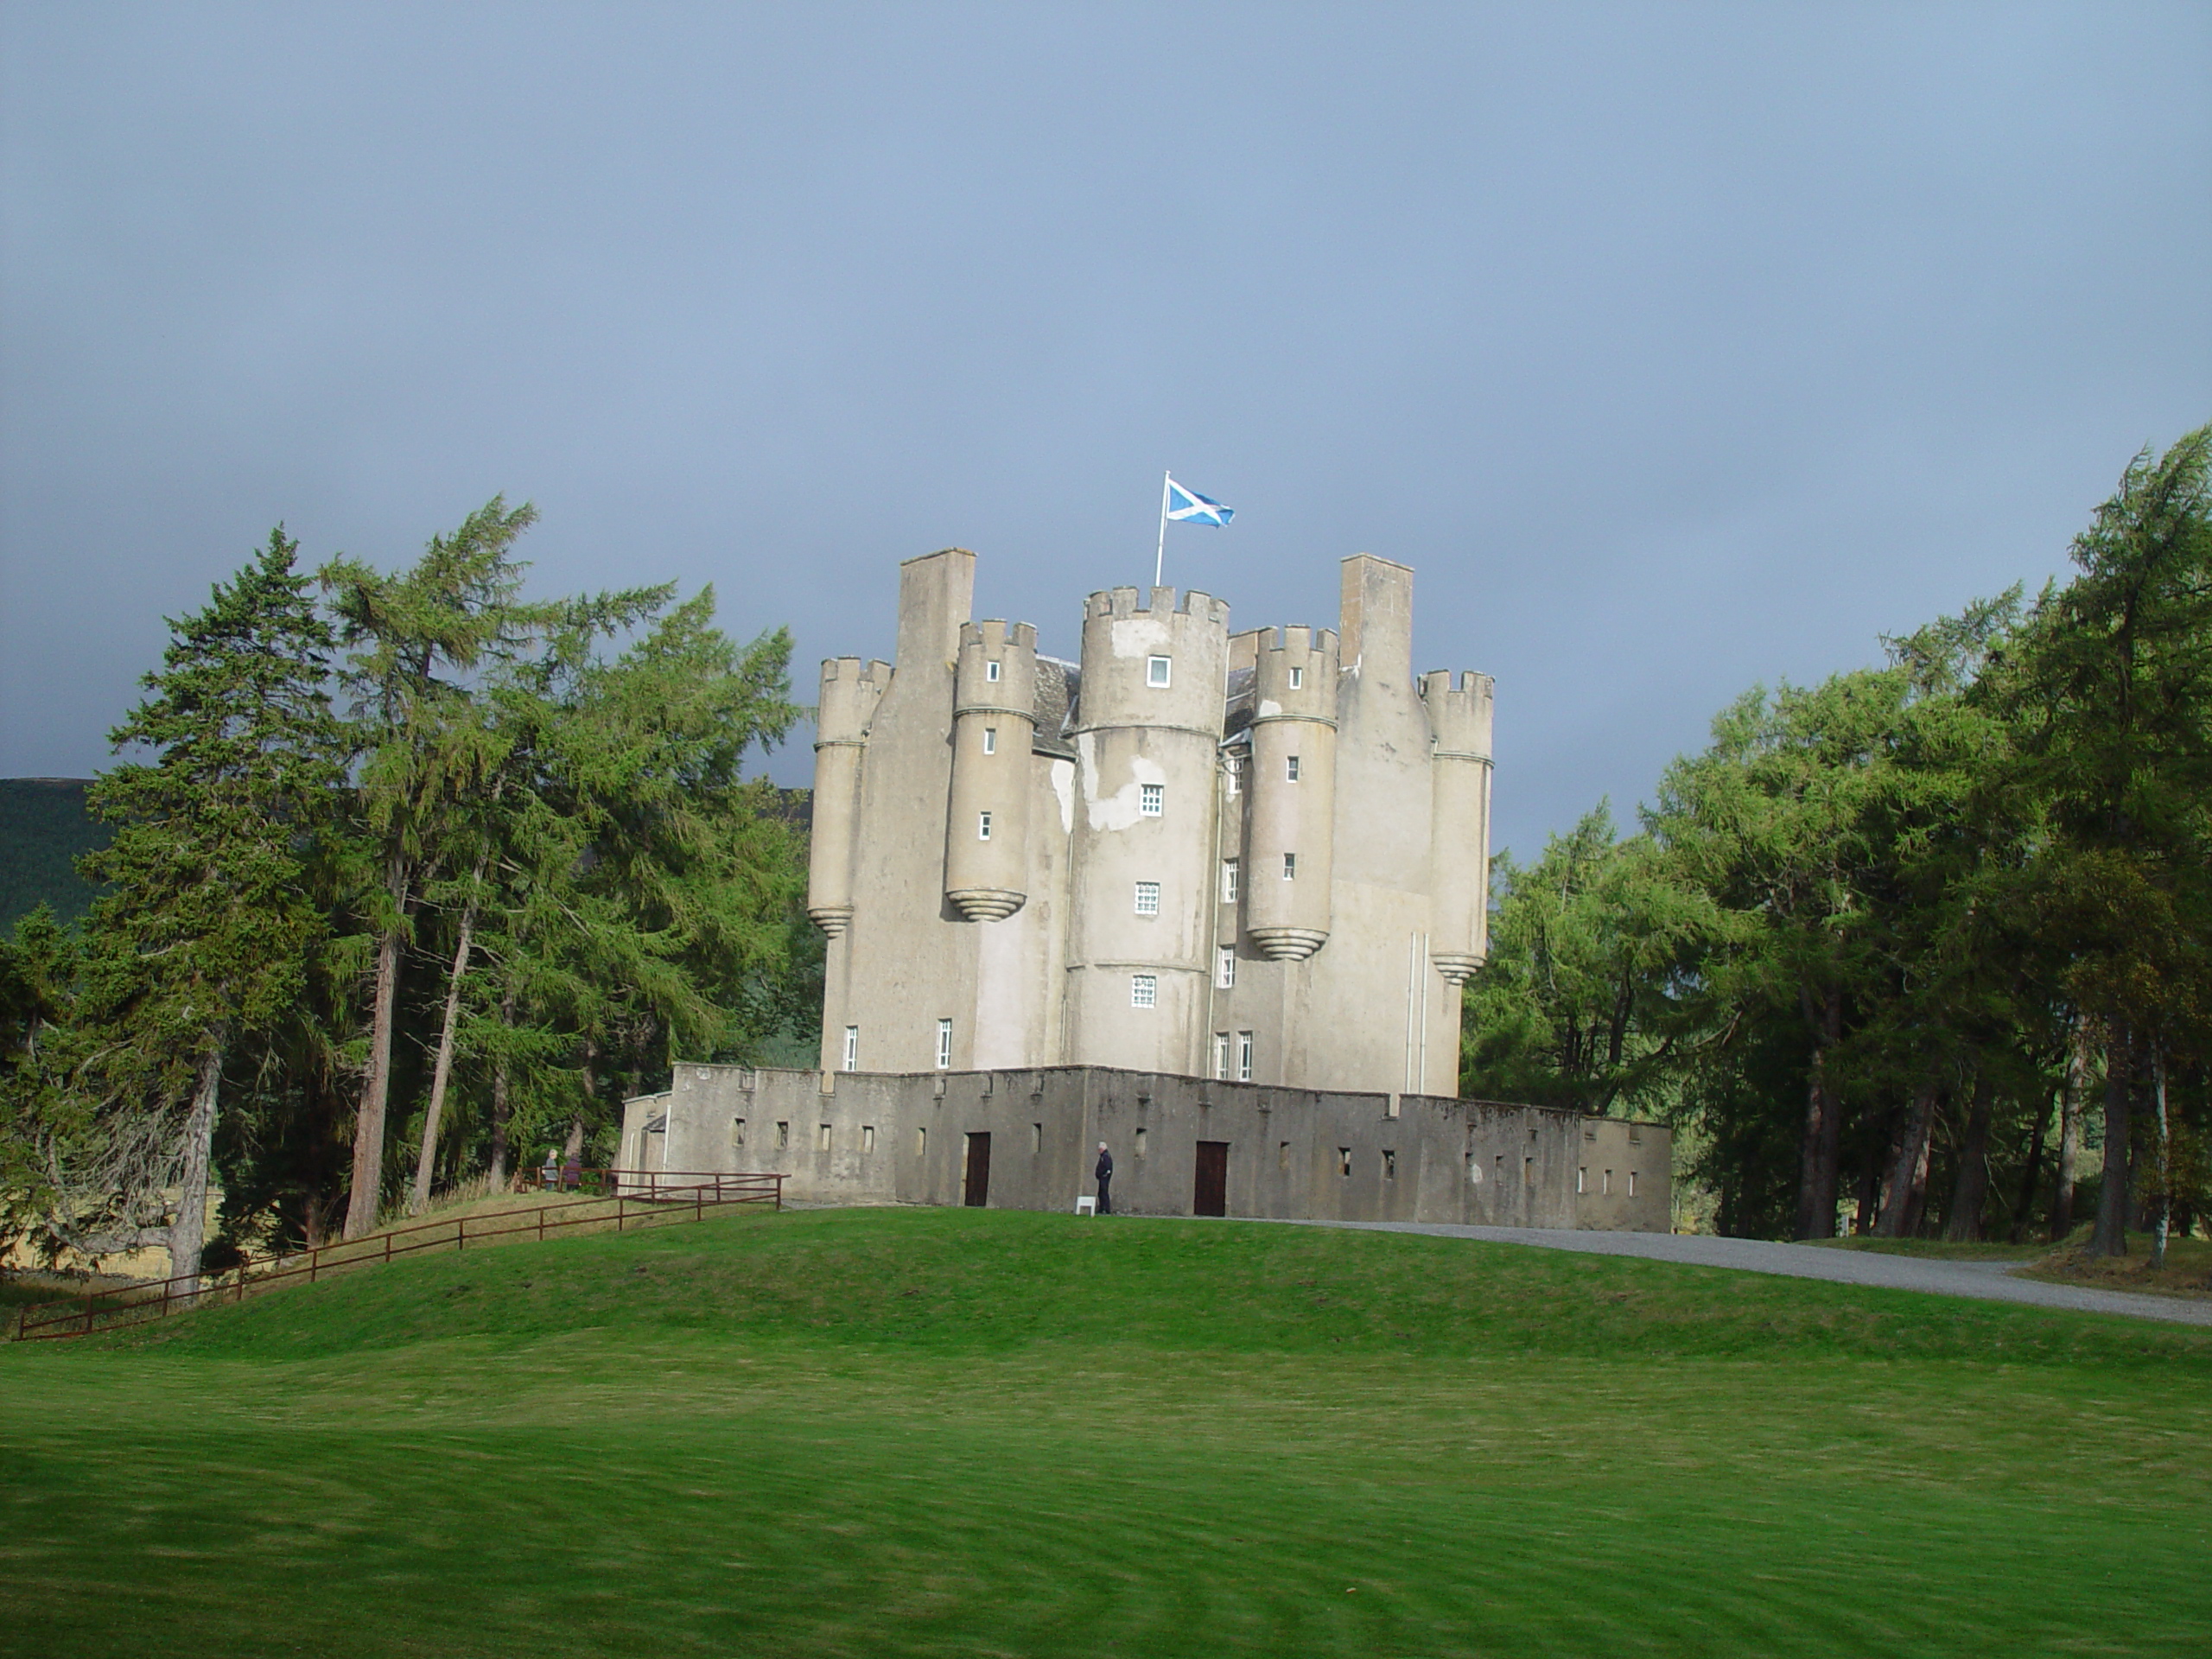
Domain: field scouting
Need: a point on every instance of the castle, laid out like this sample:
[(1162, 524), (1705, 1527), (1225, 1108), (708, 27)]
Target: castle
[(1260, 857), (1208, 897)]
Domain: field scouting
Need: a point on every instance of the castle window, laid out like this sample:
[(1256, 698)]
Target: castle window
[(1389, 1165), (1156, 671), (1243, 1057), (1139, 1143), (737, 1132), (990, 739), (1634, 1135), (1290, 767), (991, 672), (1147, 898), (822, 1140), (944, 1044), (1474, 1170), (1151, 799), (1282, 1154), (982, 826), (1582, 1180), (852, 1051), (1297, 678), (921, 1142), (1224, 971), (1528, 1171), (1290, 867), (867, 1138), (1221, 1055), (1144, 990), (1036, 1138), (1607, 1189), (1229, 880), (1343, 1161), (1631, 1183), (1234, 769), (783, 1137)]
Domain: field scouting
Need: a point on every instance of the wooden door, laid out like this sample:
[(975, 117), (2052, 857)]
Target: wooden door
[(976, 1188), (1210, 1197)]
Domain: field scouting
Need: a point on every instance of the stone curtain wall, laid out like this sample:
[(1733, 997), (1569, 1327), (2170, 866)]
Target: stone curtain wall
[(860, 1137)]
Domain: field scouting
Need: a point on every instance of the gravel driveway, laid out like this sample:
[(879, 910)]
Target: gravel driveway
[(1991, 1281)]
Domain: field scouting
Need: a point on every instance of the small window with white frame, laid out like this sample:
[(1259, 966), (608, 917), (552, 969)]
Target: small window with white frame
[(990, 739), (1147, 898), (1243, 1057), (1156, 670), (991, 672), (1229, 869), (1224, 969), (1297, 678), (1233, 769), (1290, 767), (1151, 799), (1144, 990), (852, 1048), (944, 1044), (983, 826), (1290, 867), (1221, 1055)]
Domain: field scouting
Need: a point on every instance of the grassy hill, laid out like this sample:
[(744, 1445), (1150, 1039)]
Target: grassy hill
[(43, 829), (941, 1432)]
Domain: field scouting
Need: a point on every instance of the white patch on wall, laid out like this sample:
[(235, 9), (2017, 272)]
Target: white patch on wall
[(1269, 708), (1063, 775), (1125, 806), (1141, 635)]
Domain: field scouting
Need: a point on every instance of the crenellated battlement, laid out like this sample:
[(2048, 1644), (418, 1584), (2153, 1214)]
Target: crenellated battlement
[(1293, 674), (1157, 601), (996, 672), (1459, 715), (850, 691)]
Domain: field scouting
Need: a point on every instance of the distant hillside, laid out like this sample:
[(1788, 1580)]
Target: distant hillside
[(43, 827)]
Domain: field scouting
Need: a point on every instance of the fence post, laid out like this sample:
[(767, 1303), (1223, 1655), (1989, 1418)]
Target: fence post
[(460, 1233)]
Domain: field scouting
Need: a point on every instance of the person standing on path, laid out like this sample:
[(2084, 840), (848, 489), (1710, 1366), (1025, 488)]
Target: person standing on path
[(1105, 1174)]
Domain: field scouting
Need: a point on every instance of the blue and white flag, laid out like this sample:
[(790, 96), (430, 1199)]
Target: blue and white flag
[(1189, 507)]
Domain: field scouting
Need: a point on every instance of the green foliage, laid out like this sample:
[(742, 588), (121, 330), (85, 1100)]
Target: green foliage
[(1866, 927), (491, 893)]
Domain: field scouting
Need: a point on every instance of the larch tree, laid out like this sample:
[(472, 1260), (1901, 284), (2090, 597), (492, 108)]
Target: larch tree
[(415, 640)]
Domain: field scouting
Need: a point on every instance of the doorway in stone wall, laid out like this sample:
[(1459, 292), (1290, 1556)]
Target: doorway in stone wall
[(976, 1184), (1210, 1192)]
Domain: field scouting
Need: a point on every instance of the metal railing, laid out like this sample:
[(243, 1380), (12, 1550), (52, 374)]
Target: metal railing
[(638, 1198)]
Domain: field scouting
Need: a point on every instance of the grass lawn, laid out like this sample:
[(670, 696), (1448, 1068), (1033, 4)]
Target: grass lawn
[(962, 1432)]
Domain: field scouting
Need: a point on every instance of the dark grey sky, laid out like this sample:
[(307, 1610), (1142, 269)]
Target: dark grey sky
[(1677, 347)]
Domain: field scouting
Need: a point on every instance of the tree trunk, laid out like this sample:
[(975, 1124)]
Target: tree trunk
[(1821, 1156), (2165, 1159), (376, 1078), (188, 1232), (1970, 1191), (501, 1110), (1909, 1177), (2030, 1178), (2111, 1237), (441, 1074), (2069, 1134)]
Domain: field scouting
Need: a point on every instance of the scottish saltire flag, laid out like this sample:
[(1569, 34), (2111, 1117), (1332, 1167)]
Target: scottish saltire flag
[(1189, 507)]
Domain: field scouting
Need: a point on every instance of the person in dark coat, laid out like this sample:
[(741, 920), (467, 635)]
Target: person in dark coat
[(1105, 1174)]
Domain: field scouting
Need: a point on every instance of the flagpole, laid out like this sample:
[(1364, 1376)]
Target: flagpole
[(1159, 558)]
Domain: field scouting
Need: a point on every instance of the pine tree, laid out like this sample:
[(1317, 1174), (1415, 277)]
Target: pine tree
[(202, 940)]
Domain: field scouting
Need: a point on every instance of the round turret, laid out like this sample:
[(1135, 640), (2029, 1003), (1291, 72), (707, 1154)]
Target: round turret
[(1459, 857), (993, 718), (1147, 736), (1290, 835), (849, 694)]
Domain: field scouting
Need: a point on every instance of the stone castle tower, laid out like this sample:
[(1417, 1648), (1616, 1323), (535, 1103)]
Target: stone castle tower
[(1259, 856)]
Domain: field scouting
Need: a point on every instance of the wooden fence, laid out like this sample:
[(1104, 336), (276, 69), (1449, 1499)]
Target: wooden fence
[(625, 1199)]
